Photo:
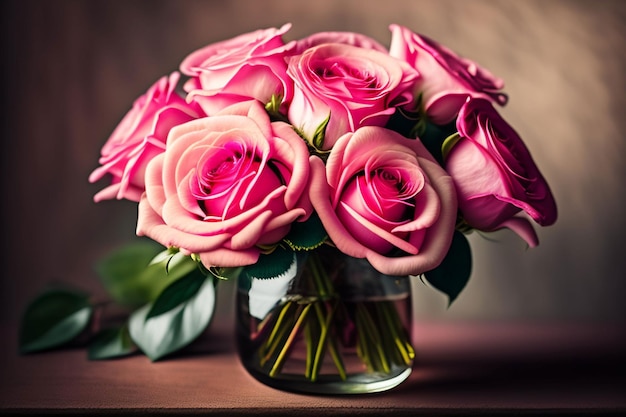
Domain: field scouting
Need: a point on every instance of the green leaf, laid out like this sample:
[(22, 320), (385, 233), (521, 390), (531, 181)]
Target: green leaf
[(273, 109), (137, 273), (176, 266), (306, 235), (448, 144), (54, 318), (111, 343), (168, 332), (163, 256), (225, 274), (271, 265), (176, 293), (454, 272), (320, 133), (273, 105)]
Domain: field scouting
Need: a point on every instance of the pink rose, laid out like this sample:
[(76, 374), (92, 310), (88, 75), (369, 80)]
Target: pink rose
[(352, 86), (447, 79), (141, 136), (249, 66), (495, 176), (382, 197), (348, 38), (225, 185)]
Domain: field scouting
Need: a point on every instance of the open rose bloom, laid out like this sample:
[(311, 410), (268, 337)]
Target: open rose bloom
[(265, 134)]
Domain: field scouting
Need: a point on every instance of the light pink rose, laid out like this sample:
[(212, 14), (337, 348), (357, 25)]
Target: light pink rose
[(225, 185), (447, 79), (382, 197), (141, 136), (249, 66), (348, 38), (353, 86), (495, 175)]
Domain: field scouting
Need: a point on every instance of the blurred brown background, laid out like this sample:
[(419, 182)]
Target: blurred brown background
[(71, 70)]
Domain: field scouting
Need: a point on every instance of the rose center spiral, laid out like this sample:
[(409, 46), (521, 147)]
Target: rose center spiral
[(232, 180)]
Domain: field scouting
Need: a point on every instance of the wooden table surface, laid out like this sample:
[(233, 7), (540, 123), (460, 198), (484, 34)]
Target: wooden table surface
[(462, 369)]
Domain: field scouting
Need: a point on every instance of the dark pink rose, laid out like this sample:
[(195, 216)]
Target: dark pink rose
[(348, 38), (352, 86), (141, 136), (382, 197), (495, 175), (249, 66), (226, 184), (447, 79)]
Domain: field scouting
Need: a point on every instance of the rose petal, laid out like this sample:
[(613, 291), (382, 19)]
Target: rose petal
[(523, 229), (438, 237), (320, 197), (227, 258), (380, 232)]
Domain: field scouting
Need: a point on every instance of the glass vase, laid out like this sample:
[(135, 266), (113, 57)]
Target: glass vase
[(332, 324)]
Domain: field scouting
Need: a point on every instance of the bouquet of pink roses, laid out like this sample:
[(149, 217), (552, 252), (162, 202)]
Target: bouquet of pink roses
[(277, 148)]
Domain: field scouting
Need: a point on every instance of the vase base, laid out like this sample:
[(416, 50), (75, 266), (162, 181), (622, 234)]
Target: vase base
[(364, 383)]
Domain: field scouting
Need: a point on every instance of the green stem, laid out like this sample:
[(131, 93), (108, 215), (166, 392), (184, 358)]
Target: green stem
[(270, 349), (322, 284), (375, 338), (403, 333), (283, 353), (334, 353), (310, 354), (324, 287), (278, 324), (387, 310), (362, 345), (323, 340)]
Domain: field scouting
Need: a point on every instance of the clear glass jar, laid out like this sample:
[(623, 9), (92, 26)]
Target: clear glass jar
[(330, 325)]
